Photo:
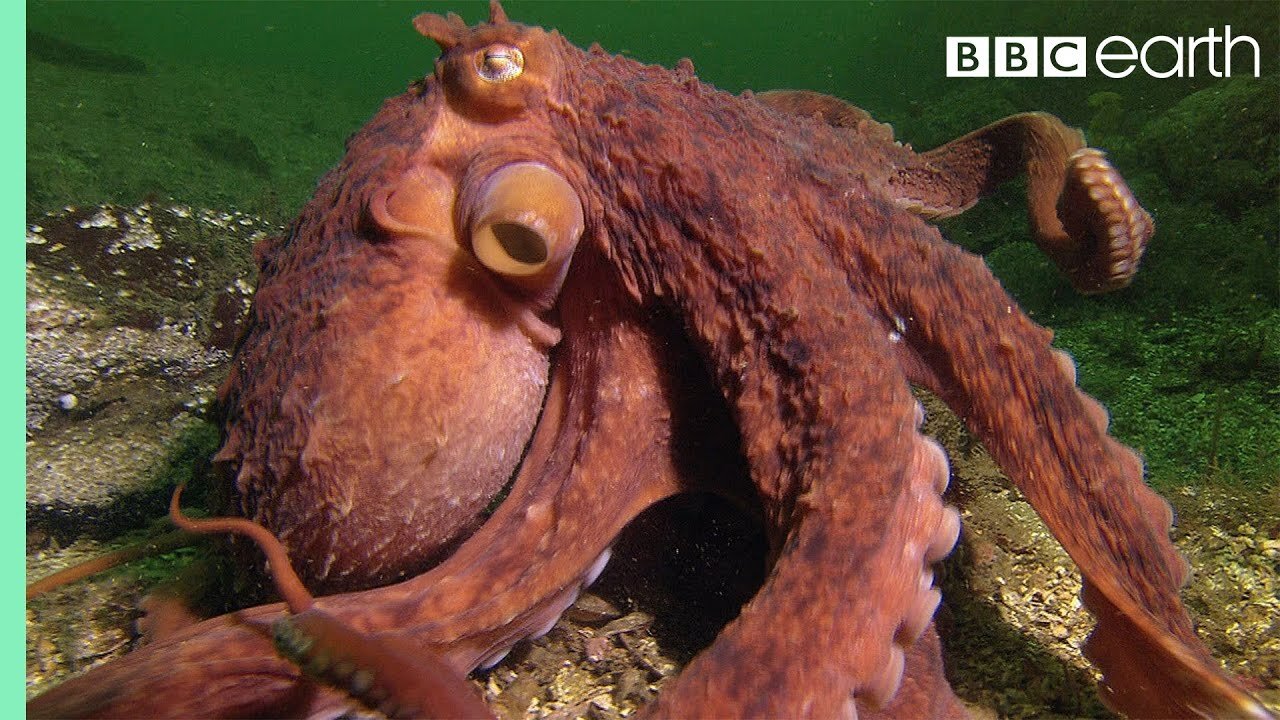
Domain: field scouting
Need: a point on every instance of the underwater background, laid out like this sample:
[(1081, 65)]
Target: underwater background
[(233, 110)]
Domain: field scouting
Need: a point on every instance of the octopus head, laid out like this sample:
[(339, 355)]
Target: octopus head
[(402, 353)]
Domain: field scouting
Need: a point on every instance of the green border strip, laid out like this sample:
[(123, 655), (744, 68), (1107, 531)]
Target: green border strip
[(13, 351)]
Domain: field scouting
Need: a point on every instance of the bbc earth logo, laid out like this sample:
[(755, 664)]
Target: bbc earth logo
[(1115, 57)]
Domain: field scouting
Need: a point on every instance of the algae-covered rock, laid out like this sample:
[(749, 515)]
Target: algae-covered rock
[(1109, 113), (1220, 145), (131, 314)]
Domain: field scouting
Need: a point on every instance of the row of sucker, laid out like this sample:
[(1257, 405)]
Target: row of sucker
[(1153, 506), (1160, 514), (1097, 414), (927, 475), (299, 647), (1125, 223)]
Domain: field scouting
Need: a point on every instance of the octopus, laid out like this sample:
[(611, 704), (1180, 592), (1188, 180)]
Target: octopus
[(607, 284)]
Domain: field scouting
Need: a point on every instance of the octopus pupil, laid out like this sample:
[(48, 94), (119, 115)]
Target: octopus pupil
[(521, 243)]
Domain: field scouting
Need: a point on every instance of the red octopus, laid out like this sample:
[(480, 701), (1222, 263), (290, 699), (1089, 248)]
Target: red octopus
[(619, 284)]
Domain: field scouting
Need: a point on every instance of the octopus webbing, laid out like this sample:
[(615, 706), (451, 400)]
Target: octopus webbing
[(617, 284)]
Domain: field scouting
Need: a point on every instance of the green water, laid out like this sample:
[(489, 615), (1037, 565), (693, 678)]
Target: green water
[(243, 105), (296, 77)]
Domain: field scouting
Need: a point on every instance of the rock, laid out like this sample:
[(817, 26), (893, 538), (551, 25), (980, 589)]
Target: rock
[(131, 313), (1219, 145)]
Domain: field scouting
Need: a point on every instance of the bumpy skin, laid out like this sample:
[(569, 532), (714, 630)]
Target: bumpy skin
[(753, 292), (376, 356)]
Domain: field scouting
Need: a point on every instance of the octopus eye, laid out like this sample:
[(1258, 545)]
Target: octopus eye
[(499, 63), (525, 225)]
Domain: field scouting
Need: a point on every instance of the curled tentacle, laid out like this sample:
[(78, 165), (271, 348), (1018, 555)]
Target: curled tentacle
[(375, 670), (1082, 213), (286, 580), (1108, 227)]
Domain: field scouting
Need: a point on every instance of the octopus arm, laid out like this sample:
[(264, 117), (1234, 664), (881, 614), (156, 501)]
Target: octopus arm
[(229, 668), (960, 335), (849, 487), (1081, 211), (851, 590), (395, 678), (925, 691)]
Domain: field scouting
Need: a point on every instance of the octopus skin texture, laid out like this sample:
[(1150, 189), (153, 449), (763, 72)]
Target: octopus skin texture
[(616, 284)]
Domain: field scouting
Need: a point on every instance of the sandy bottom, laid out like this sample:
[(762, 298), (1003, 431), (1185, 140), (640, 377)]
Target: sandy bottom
[(1011, 619)]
